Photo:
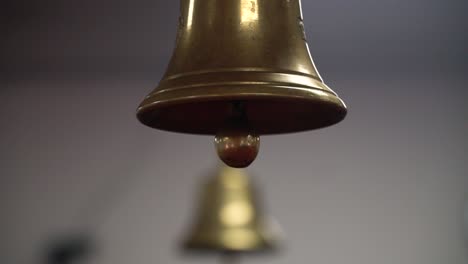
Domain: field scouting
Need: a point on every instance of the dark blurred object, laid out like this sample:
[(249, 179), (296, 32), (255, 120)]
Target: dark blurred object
[(229, 219), (68, 250)]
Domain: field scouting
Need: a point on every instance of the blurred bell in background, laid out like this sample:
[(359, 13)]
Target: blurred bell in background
[(229, 219)]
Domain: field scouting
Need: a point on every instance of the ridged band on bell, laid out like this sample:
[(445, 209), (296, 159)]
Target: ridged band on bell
[(229, 217), (254, 51)]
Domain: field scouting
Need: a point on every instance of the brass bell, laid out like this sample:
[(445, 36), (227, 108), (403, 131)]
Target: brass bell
[(229, 218), (241, 69), (249, 51)]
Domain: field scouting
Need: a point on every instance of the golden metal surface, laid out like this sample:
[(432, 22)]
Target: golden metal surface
[(254, 51), (229, 217)]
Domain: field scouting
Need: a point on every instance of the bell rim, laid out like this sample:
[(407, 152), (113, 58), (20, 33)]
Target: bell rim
[(197, 243), (208, 248), (313, 98)]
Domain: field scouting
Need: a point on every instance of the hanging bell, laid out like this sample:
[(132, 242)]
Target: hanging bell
[(229, 218), (248, 51)]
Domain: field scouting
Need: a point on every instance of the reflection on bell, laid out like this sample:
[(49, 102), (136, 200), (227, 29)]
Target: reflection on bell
[(229, 218), (249, 51)]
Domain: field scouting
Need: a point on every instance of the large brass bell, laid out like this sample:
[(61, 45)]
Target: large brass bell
[(249, 51), (229, 218)]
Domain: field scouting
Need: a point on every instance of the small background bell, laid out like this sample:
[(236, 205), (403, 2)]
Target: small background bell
[(229, 217)]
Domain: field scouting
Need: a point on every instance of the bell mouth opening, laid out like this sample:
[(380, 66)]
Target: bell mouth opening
[(267, 113)]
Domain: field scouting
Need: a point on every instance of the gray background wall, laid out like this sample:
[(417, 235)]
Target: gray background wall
[(387, 185)]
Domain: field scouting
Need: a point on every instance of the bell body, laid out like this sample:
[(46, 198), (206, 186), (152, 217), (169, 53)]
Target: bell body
[(254, 51), (229, 217)]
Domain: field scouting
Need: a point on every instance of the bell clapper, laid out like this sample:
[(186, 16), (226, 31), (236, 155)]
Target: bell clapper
[(236, 142)]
